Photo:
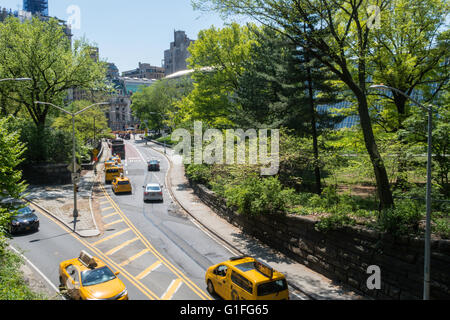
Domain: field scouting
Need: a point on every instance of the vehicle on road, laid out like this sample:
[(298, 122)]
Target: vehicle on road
[(153, 192), (245, 278), (121, 185), (24, 220), (116, 159), (89, 278), (153, 165), (118, 148), (109, 163), (113, 172)]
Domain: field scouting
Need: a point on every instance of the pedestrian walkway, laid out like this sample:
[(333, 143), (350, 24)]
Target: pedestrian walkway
[(58, 201), (300, 277)]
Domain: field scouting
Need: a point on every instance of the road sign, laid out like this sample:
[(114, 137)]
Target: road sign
[(75, 177)]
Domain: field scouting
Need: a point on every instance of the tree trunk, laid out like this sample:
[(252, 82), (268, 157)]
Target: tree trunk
[(383, 187)]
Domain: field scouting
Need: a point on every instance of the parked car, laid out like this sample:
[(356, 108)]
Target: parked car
[(153, 192), (153, 165)]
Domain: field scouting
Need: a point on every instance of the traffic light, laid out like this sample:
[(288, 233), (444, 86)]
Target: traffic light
[(76, 188)]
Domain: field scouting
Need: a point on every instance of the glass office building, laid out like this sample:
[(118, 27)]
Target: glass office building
[(36, 6)]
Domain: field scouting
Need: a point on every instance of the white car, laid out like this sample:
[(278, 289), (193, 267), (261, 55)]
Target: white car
[(153, 192)]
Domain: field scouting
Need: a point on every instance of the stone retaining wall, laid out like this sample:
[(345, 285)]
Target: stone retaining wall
[(345, 254), (47, 174)]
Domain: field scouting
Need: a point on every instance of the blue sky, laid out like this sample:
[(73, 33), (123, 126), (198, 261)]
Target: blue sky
[(133, 31)]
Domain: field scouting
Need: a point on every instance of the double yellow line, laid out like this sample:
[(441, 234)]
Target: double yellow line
[(167, 263), (147, 292)]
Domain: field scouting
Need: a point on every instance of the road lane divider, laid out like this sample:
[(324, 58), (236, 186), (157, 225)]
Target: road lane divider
[(120, 246), (111, 236), (141, 287), (202, 294), (110, 215), (172, 289), (113, 223), (137, 255), (147, 271)]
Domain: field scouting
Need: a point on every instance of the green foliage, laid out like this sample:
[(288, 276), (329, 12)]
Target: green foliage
[(199, 173), (403, 219), (53, 144), (12, 283), (217, 57), (256, 195), (40, 50), (157, 104), (11, 184)]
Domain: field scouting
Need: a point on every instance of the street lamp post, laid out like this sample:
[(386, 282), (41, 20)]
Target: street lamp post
[(15, 79), (73, 115), (427, 253), (169, 128)]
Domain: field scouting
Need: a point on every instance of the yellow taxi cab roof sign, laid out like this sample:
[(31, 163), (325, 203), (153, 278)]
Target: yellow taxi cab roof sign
[(86, 259), (264, 269)]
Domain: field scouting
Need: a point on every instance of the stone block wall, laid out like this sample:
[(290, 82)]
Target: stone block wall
[(47, 174), (345, 254)]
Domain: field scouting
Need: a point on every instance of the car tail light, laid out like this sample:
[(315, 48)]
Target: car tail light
[(146, 193), (160, 193)]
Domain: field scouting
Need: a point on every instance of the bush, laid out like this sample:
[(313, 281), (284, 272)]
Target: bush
[(198, 173), (403, 219), (12, 283), (256, 195)]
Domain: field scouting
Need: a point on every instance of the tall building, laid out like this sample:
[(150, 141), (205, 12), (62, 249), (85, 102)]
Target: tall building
[(145, 71), (36, 6), (175, 57)]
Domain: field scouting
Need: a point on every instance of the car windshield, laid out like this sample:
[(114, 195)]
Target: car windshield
[(123, 182), (153, 189), (153, 162), (96, 276), (272, 287), (23, 212)]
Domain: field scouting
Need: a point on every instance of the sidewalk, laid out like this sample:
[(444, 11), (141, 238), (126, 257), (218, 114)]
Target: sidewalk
[(300, 277), (58, 201)]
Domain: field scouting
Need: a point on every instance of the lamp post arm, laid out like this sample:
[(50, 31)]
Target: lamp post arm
[(92, 105), (51, 104)]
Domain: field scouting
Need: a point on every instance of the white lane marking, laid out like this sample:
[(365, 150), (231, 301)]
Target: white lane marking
[(37, 270)]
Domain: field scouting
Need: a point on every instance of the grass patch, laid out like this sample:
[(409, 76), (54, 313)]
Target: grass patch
[(12, 283)]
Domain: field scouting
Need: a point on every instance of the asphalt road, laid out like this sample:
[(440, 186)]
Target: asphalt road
[(160, 252)]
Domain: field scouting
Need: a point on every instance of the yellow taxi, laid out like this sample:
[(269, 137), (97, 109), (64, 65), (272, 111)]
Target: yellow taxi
[(245, 278), (113, 172), (88, 278), (116, 158), (121, 184), (109, 163)]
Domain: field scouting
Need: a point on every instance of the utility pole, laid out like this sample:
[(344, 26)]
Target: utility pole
[(73, 115), (427, 251)]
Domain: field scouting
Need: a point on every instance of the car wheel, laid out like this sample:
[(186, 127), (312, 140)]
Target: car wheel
[(211, 288)]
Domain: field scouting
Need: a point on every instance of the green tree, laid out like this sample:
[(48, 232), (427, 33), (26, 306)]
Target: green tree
[(338, 35), (409, 51), (11, 184), (158, 102), (40, 50), (217, 60), (84, 125)]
